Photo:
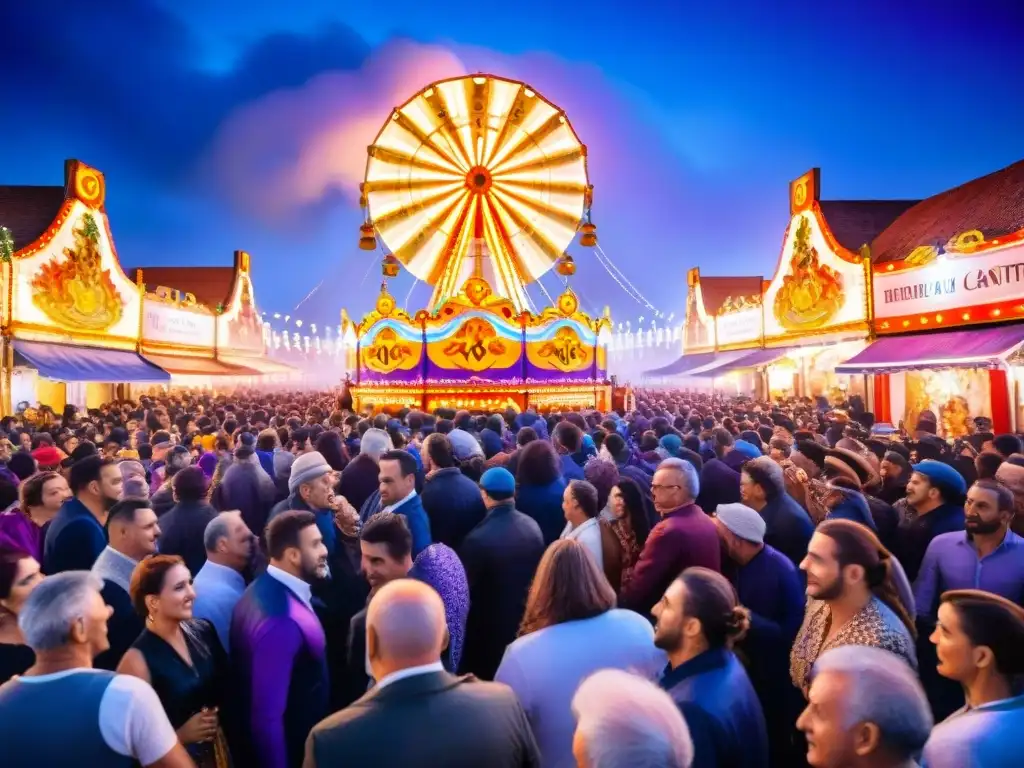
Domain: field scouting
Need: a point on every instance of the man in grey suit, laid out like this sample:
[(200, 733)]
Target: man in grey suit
[(418, 715)]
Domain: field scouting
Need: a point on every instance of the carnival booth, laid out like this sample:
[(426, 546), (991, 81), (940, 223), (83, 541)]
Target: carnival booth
[(201, 325), (786, 336), (948, 295), (70, 314)]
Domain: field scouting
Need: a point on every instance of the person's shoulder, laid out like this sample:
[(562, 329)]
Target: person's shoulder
[(948, 539), (132, 691)]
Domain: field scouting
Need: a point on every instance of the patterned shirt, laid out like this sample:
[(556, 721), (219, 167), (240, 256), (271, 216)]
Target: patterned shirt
[(630, 549), (876, 625)]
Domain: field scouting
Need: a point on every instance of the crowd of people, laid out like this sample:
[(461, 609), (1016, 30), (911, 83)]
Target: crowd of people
[(271, 580)]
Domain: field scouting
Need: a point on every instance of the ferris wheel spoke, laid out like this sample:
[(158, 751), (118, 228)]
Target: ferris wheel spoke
[(441, 148), (564, 157), (502, 254), (457, 216), (403, 159), (404, 212), (556, 187), (520, 112), (421, 242), (441, 114), (548, 211), (529, 140), (410, 184), (478, 99), (509, 215)]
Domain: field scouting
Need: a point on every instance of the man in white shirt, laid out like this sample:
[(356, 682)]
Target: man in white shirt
[(62, 712), (579, 504), (219, 583)]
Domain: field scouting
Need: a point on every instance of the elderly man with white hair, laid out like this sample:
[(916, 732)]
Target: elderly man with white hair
[(64, 713), (865, 707), (684, 537), (625, 721), (418, 714), (220, 582)]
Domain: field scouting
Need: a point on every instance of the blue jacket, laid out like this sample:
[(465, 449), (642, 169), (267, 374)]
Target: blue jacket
[(720, 481), (788, 527), (544, 504), (74, 540), (570, 469), (266, 461), (419, 524), (721, 710), (453, 505)]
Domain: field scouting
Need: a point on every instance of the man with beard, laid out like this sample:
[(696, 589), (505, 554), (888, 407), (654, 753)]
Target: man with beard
[(935, 494), (277, 648), (988, 556), (76, 536)]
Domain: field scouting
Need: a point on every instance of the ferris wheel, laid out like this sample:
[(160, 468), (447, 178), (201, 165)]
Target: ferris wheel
[(477, 176)]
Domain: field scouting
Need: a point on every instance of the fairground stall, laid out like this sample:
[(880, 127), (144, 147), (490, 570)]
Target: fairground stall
[(70, 316), (786, 336), (948, 288), (476, 186), (201, 325)]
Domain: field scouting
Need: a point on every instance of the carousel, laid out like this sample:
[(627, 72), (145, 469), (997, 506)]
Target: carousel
[(476, 186)]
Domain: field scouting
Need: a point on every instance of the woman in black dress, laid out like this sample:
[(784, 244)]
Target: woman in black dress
[(19, 575), (181, 657)]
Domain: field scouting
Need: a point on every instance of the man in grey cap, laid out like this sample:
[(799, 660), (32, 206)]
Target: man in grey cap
[(771, 588)]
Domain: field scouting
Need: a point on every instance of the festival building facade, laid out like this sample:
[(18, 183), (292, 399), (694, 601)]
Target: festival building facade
[(77, 329), (914, 305)]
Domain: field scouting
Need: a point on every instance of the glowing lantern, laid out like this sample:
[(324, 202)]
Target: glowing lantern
[(390, 266), (588, 236), (367, 240), (566, 266)]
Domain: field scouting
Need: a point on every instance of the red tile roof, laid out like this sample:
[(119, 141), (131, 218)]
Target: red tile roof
[(857, 222), (716, 290), (210, 285), (28, 211), (993, 204)]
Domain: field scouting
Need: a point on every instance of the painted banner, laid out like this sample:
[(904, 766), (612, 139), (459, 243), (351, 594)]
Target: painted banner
[(951, 282), (169, 324)]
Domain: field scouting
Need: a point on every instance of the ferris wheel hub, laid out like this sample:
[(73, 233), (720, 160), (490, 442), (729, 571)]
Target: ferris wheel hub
[(478, 180)]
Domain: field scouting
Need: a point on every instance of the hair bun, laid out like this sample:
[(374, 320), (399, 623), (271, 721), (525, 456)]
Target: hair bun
[(738, 623)]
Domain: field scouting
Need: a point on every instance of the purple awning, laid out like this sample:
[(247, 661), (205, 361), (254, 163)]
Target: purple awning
[(981, 348), (752, 359), (682, 365)]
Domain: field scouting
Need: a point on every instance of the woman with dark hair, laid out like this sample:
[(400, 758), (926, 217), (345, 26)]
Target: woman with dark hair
[(628, 504), (19, 575), (540, 486), (333, 450), (39, 499), (979, 640), (179, 656), (699, 621), (571, 629)]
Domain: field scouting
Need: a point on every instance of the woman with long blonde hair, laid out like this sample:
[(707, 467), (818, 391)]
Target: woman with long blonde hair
[(571, 628)]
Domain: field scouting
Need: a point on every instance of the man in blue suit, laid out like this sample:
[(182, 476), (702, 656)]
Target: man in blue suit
[(398, 494)]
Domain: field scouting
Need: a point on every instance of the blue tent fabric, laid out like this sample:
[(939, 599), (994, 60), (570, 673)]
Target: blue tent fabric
[(66, 362)]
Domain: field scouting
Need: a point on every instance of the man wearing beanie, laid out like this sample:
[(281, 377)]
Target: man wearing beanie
[(500, 556), (769, 585), (935, 504)]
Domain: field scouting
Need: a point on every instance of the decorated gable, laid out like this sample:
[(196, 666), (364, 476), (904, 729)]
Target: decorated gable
[(819, 286), (68, 285), (239, 329)]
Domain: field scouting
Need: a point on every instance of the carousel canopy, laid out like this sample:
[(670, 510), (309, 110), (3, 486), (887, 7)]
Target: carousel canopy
[(65, 362)]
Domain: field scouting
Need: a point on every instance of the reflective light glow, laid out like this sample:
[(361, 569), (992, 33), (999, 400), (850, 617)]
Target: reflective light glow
[(477, 176)]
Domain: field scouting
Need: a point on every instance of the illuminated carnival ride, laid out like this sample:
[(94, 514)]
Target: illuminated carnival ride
[(476, 186)]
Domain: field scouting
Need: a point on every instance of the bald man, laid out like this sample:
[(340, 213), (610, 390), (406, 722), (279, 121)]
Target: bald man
[(418, 715)]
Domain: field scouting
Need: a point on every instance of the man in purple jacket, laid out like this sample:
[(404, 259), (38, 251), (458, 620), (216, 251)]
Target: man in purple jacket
[(685, 537), (277, 649)]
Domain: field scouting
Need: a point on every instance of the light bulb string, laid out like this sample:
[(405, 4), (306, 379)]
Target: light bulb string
[(607, 258)]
